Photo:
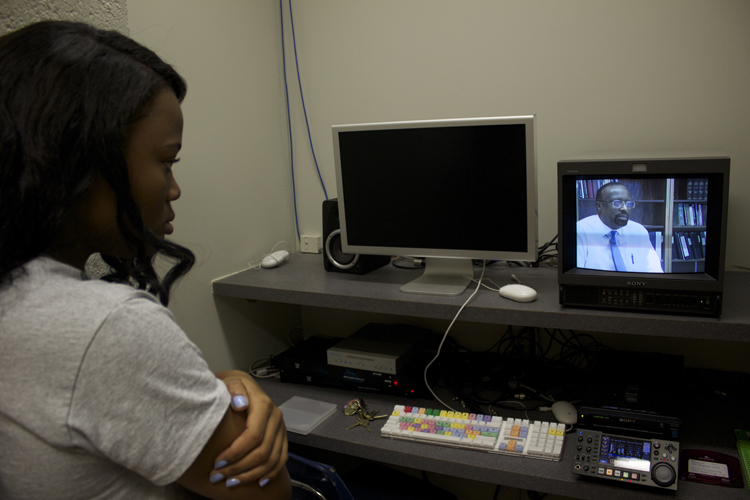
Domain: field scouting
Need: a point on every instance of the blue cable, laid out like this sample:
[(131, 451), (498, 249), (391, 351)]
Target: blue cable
[(304, 109), (289, 118)]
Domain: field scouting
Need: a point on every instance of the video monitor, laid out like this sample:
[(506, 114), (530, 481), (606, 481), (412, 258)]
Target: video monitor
[(643, 231), (449, 191)]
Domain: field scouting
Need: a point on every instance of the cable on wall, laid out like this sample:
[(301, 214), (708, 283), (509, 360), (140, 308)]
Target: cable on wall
[(288, 117), (304, 109)]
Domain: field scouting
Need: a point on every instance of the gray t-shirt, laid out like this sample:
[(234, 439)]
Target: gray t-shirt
[(102, 395)]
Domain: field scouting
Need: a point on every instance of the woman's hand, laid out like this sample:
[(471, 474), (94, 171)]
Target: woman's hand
[(260, 452)]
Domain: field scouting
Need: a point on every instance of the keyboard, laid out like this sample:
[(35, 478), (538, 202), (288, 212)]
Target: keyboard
[(511, 436)]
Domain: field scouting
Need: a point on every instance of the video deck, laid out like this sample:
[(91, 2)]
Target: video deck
[(306, 363), (625, 396), (629, 420), (378, 347), (648, 462)]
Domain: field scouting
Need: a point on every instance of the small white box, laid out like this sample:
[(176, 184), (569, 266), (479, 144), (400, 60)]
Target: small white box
[(311, 243), (302, 415)]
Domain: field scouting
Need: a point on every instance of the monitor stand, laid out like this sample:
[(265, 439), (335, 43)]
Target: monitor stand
[(442, 277)]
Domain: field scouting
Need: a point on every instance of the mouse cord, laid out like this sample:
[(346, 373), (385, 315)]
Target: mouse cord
[(445, 335), (482, 283)]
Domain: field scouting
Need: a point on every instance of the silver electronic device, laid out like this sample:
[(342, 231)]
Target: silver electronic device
[(648, 462), (378, 348)]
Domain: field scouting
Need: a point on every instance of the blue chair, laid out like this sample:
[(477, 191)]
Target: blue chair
[(313, 480)]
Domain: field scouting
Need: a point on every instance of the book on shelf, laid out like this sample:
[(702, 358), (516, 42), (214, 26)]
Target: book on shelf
[(684, 245), (587, 188), (657, 240), (689, 214), (679, 214), (697, 189), (697, 252), (689, 245), (702, 189)]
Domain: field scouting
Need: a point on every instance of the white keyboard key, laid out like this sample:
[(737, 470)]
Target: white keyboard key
[(535, 450), (549, 447), (425, 436)]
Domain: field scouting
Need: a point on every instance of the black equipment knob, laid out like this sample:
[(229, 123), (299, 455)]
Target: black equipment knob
[(663, 474)]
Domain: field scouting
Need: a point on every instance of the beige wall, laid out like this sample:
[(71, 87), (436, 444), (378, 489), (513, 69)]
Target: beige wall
[(107, 14)]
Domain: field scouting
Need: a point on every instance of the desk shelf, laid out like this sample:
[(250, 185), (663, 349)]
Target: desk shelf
[(303, 281), (515, 472)]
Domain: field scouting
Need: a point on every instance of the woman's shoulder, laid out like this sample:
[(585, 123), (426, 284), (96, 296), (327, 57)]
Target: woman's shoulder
[(45, 273), (53, 289)]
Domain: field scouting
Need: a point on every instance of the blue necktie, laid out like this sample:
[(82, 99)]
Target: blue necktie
[(616, 256)]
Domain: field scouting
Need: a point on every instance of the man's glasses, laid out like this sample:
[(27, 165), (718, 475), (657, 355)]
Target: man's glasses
[(619, 203)]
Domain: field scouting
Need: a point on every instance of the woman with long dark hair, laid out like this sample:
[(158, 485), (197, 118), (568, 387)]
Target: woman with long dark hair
[(102, 395)]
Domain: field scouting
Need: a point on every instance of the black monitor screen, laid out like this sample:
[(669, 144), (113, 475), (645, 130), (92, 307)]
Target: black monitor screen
[(460, 188)]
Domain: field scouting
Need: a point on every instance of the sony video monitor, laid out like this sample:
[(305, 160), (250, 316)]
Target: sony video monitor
[(643, 231), (449, 191)]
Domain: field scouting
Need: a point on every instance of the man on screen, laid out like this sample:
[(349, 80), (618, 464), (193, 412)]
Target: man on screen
[(610, 241)]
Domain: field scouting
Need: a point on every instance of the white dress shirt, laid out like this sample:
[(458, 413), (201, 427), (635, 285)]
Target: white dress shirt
[(633, 240)]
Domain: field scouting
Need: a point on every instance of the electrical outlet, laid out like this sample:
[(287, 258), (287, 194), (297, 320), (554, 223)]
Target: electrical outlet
[(311, 243)]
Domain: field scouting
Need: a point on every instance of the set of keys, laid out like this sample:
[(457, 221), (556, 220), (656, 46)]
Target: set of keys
[(358, 407)]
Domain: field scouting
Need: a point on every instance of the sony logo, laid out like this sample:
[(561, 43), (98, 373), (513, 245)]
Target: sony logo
[(636, 283), (627, 420)]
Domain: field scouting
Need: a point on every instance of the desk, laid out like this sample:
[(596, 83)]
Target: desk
[(515, 472), (303, 281)]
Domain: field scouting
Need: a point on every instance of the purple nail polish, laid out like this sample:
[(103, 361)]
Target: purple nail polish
[(232, 482), (221, 464), (263, 482)]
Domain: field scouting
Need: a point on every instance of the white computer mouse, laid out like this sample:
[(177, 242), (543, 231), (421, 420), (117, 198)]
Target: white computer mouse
[(564, 412), (274, 259), (519, 293)]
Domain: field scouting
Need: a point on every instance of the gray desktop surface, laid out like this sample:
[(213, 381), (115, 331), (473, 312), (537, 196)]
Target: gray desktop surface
[(516, 472), (302, 280)]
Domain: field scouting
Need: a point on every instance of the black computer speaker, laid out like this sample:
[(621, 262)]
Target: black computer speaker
[(334, 258)]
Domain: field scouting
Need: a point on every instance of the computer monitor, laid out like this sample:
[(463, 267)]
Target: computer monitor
[(450, 191), (669, 210)]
